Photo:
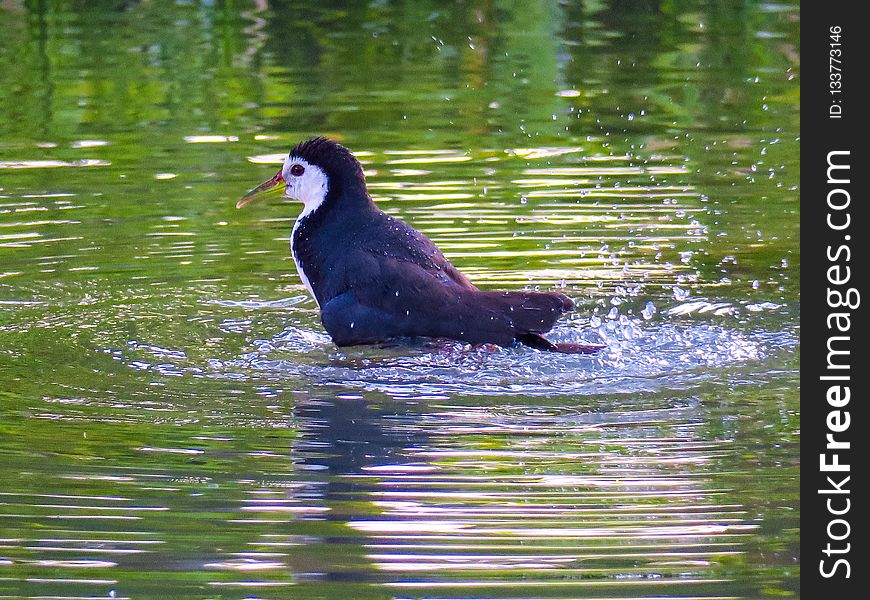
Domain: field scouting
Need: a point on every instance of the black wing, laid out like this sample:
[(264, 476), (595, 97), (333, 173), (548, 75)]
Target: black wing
[(387, 297), (394, 239)]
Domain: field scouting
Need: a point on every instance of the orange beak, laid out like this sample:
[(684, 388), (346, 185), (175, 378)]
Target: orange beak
[(276, 184)]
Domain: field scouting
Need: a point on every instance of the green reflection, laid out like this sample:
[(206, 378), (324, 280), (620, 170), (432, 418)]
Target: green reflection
[(171, 414)]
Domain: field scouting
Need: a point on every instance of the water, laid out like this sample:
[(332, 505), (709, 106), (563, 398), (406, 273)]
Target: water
[(174, 420)]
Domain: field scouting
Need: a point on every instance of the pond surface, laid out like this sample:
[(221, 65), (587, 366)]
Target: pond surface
[(174, 422)]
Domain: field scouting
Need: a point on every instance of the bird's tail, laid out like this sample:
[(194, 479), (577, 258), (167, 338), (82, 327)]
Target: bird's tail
[(536, 340), (526, 312), (532, 314)]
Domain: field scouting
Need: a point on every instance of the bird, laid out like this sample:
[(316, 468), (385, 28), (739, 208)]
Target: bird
[(376, 279)]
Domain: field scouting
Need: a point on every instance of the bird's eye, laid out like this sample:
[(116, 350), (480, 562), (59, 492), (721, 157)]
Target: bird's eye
[(297, 170)]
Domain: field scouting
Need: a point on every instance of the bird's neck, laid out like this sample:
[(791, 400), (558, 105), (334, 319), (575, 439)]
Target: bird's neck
[(342, 205)]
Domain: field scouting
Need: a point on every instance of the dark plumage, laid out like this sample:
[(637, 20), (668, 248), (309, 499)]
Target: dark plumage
[(376, 278)]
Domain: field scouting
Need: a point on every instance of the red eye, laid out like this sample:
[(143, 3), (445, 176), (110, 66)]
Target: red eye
[(297, 170)]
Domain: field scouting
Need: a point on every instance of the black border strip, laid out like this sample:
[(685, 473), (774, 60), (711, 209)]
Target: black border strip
[(834, 57)]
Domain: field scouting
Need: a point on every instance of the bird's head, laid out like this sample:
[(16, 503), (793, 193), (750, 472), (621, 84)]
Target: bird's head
[(315, 171)]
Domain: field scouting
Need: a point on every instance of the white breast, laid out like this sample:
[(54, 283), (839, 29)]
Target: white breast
[(305, 281)]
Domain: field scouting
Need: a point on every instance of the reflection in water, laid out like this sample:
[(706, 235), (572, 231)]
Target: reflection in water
[(625, 501), (172, 415), (582, 526)]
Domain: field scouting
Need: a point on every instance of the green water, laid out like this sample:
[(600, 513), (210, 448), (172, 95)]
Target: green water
[(174, 422)]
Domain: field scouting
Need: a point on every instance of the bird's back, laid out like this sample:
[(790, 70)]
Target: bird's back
[(396, 240)]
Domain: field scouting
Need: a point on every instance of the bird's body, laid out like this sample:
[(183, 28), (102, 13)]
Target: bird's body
[(376, 278)]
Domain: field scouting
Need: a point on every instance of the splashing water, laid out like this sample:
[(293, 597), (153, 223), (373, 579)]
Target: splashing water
[(639, 355)]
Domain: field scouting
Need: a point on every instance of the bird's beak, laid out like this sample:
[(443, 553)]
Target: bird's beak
[(276, 184)]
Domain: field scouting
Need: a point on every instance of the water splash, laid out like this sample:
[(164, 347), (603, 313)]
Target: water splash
[(641, 354)]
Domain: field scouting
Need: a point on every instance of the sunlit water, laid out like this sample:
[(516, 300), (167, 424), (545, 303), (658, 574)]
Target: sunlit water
[(174, 421)]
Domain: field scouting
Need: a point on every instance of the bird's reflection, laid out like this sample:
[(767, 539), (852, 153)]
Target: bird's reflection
[(340, 440), (342, 436)]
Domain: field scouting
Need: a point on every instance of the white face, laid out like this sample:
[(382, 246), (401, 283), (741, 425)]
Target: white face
[(305, 182)]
